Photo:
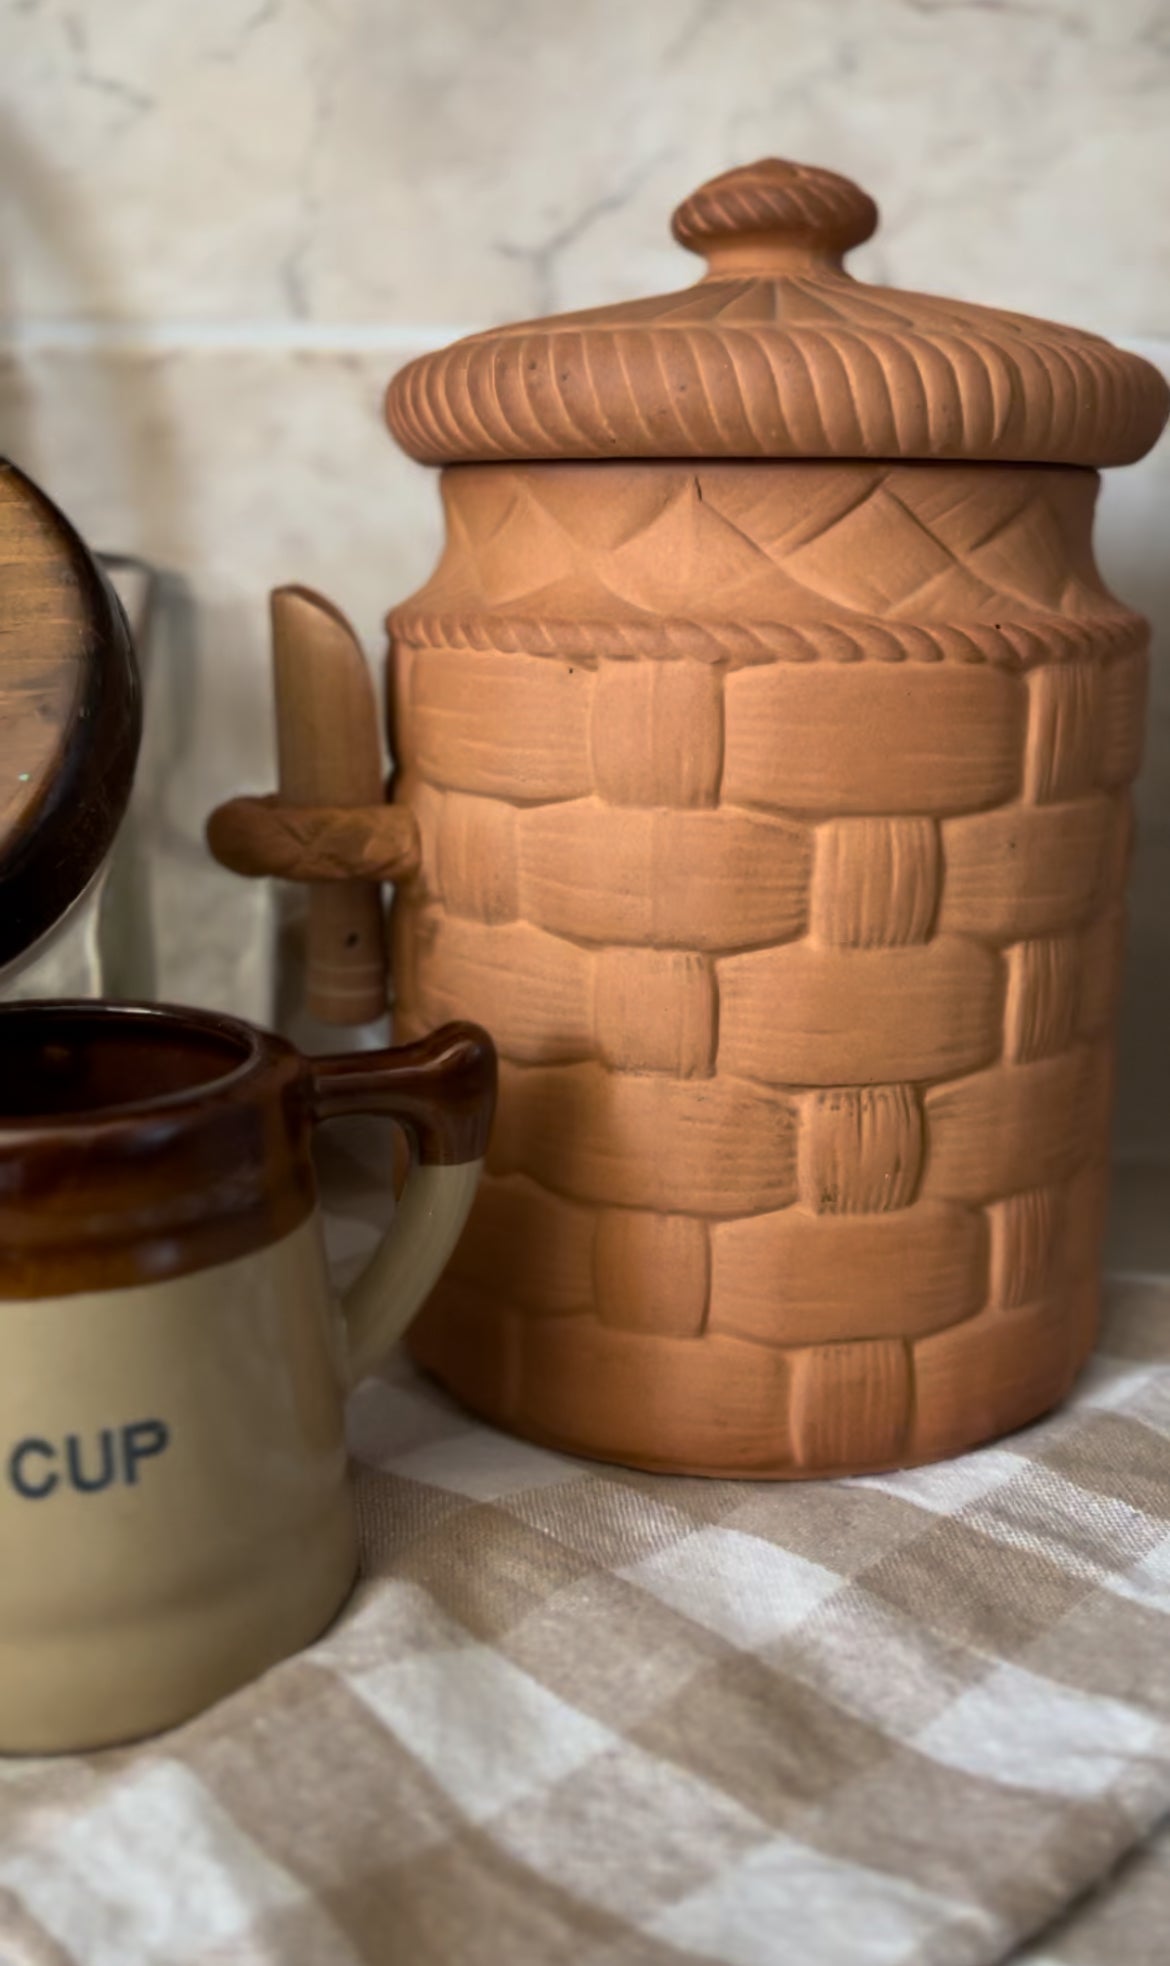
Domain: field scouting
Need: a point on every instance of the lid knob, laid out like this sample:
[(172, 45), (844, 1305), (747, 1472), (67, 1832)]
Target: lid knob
[(771, 216)]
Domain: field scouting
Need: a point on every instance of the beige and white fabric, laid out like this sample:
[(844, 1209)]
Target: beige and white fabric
[(1124, 1921), (578, 1714)]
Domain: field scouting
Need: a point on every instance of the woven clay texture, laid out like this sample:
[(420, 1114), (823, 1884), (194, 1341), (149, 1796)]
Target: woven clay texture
[(774, 818)]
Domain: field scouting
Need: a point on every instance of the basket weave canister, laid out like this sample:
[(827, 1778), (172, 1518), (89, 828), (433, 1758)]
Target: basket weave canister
[(769, 733)]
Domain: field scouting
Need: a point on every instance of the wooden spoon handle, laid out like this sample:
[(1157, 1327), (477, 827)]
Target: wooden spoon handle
[(346, 952), (330, 755)]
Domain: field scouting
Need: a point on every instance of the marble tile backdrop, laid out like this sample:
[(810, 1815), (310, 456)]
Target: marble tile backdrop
[(223, 226), (404, 161)]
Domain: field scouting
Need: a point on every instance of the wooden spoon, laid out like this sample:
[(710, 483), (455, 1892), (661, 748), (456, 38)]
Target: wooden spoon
[(330, 755)]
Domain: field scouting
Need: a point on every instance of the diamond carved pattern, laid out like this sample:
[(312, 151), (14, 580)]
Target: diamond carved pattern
[(804, 560)]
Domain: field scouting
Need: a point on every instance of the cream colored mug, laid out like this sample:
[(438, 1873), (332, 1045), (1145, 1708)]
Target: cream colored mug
[(175, 1514)]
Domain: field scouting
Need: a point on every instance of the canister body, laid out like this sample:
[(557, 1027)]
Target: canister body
[(774, 817)]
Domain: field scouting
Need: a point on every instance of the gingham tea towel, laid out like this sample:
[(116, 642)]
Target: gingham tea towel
[(577, 1714)]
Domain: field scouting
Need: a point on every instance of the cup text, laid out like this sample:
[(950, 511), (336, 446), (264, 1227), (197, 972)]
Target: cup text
[(87, 1463)]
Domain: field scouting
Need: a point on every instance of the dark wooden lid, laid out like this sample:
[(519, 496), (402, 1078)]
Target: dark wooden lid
[(70, 714)]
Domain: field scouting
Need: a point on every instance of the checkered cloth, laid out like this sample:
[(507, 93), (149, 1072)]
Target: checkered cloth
[(1124, 1922), (578, 1714)]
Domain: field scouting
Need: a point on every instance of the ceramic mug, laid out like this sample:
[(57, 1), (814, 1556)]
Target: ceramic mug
[(174, 1508)]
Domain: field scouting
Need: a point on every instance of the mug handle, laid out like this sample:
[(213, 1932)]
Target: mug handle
[(442, 1091)]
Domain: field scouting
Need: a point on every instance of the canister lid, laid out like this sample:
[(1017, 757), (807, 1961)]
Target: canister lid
[(69, 715), (778, 352)]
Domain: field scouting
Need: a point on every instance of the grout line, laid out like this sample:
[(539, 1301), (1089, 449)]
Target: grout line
[(310, 337)]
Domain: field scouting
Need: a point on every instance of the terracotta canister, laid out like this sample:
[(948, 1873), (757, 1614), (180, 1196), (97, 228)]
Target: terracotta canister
[(769, 734)]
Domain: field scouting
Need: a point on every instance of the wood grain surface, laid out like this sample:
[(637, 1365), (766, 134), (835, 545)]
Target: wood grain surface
[(330, 755), (69, 714)]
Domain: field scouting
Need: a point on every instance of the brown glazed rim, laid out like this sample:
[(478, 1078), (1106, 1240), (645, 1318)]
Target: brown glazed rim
[(104, 1193), (151, 1018)]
